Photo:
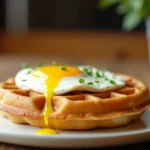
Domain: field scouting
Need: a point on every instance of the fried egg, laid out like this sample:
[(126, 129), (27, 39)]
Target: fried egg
[(56, 80)]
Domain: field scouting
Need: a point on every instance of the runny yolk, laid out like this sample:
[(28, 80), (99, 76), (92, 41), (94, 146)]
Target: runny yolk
[(46, 131), (53, 76)]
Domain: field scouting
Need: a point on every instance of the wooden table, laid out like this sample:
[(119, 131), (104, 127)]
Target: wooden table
[(78, 43), (10, 64)]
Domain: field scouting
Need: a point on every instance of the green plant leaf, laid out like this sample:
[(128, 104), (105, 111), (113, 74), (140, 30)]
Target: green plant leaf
[(121, 9), (135, 11), (129, 5), (131, 20), (134, 4), (146, 8), (107, 3)]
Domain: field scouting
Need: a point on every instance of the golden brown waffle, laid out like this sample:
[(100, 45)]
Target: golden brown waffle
[(76, 110)]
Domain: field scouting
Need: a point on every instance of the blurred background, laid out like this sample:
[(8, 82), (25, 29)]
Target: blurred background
[(64, 14), (69, 31)]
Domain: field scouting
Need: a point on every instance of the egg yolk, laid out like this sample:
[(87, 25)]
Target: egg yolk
[(46, 131), (53, 75)]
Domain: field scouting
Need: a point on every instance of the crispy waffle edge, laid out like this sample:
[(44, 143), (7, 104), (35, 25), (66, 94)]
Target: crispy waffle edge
[(137, 96)]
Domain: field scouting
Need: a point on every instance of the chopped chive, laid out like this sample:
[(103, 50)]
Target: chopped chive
[(41, 65), (96, 81), (112, 82), (88, 71), (54, 63), (81, 81), (29, 72), (24, 80), (63, 67), (106, 79), (90, 83), (85, 70), (25, 66), (97, 74)]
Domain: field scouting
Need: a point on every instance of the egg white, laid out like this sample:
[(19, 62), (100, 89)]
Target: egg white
[(27, 81)]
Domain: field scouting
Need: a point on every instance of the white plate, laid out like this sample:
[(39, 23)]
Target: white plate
[(25, 135)]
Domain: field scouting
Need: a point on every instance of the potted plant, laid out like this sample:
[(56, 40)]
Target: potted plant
[(134, 11)]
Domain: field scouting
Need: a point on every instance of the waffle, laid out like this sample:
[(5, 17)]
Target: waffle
[(76, 110)]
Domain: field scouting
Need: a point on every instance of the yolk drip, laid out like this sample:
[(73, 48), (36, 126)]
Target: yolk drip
[(46, 131), (53, 76)]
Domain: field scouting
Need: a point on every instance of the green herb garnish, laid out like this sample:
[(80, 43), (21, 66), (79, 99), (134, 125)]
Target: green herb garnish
[(90, 83), (96, 81), (25, 66), (112, 82), (81, 81), (106, 79), (85, 70), (54, 63), (97, 74), (88, 71), (29, 72), (41, 65), (24, 80), (63, 67)]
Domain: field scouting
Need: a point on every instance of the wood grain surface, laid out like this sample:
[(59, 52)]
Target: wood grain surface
[(102, 44)]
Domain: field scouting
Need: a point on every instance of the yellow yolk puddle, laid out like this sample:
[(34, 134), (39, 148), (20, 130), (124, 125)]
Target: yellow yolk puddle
[(46, 131), (53, 75)]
